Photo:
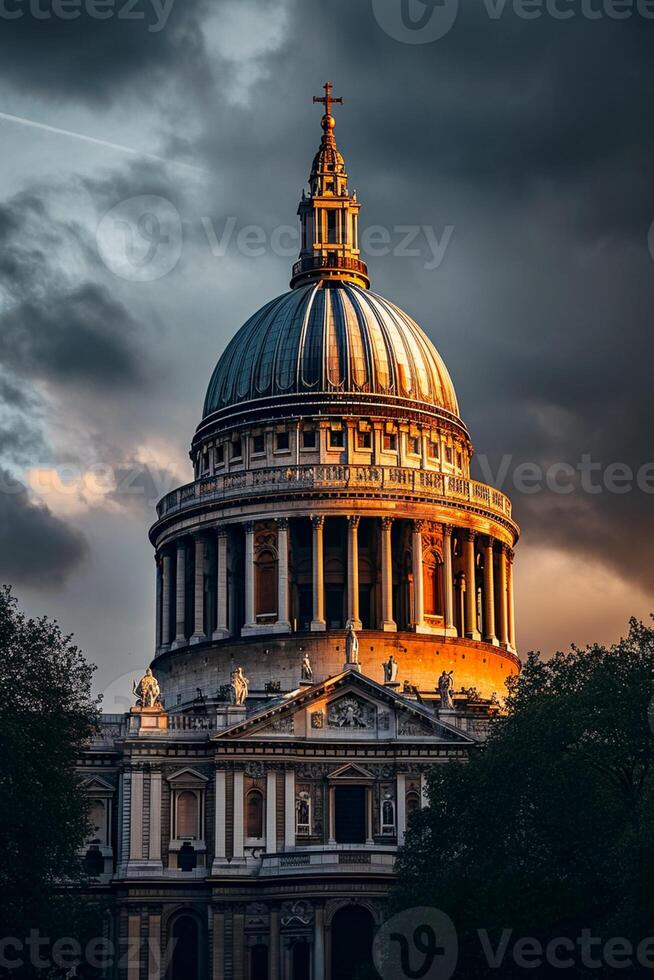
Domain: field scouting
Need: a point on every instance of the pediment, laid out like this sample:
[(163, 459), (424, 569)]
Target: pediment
[(351, 772), (96, 784), (187, 775), (346, 706)]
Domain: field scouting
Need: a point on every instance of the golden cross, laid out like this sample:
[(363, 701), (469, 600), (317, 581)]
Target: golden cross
[(328, 101)]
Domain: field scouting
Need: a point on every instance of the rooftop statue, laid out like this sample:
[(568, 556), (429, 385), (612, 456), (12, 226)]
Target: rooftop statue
[(240, 687), (445, 684), (147, 691), (351, 645)]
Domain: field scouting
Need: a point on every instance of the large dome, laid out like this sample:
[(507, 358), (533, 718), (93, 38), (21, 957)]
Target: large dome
[(333, 338)]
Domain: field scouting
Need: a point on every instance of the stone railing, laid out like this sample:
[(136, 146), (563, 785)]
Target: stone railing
[(391, 481)]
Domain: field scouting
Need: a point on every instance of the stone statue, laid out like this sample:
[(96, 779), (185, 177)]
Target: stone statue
[(351, 645), (445, 684), (390, 670), (307, 670), (239, 687), (147, 692)]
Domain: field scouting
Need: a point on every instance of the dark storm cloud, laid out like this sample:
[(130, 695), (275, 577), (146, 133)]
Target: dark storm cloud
[(97, 50), (54, 328), (36, 548)]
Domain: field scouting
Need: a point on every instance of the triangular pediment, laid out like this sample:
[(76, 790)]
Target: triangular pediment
[(95, 784), (351, 772), (348, 706), (187, 775)]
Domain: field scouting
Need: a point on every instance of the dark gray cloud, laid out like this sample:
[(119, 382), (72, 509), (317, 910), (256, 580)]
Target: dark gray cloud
[(53, 326), (36, 547), (93, 59)]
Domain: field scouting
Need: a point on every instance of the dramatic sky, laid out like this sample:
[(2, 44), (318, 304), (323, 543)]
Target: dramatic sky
[(516, 142)]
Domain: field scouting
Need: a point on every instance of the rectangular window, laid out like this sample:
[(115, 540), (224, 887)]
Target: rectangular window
[(364, 440), (258, 444), (448, 454), (205, 461), (237, 449), (336, 438), (220, 455), (414, 445), (434, 450), (331, 227), (459, 460), (282, 441), (309, 439), (390, 442)]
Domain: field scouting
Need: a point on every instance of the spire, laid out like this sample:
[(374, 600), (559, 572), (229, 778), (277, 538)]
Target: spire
[(329, 216)]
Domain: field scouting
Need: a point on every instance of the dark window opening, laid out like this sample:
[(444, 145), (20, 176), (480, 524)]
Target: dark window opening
[(390, 442), (283, 441), (364, 440), (351, 814), (336, 438), (309, 439), (237, 449), (258, 444)]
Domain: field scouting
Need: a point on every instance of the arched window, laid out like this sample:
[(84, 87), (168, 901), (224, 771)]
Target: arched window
[(432, 584), (388, 816), (98, 821), (266, 591), (254, 814), (303, 815), (188, 813), (412, 803)]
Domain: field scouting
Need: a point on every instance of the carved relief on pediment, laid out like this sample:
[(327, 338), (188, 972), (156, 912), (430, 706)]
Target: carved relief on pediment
[(352, 713)]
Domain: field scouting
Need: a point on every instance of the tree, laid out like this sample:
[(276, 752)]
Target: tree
[(47, 713), (548, 830)]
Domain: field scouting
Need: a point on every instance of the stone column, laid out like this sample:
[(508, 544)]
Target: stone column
[(218, 946), (250, 618), (134, 946), (238, 947), (502, 597), (318, 624), (388, 622), (154, 853), (271, 812), (353, 571), (239, 830), (166, 572), (418, 581), (136, 817), (289, 809), (319, 944), (471, 631), (448, 581), (180, 597), (199, 636), (489, 593), (222, 630), (401, 808), (283, 592), (220, 843), (158, 602), (510, 599), (273, 964), (154, 946)]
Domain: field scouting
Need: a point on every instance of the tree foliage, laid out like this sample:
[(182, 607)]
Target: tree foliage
[(47, 713), (549, 829)]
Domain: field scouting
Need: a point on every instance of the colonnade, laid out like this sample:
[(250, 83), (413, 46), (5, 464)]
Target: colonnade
[(481, 611)]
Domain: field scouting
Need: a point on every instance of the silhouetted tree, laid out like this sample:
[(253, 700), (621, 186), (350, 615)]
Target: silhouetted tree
[(46, 715), (549, 829)]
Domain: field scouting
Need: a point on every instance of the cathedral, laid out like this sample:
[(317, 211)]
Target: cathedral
[(334, 616)]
